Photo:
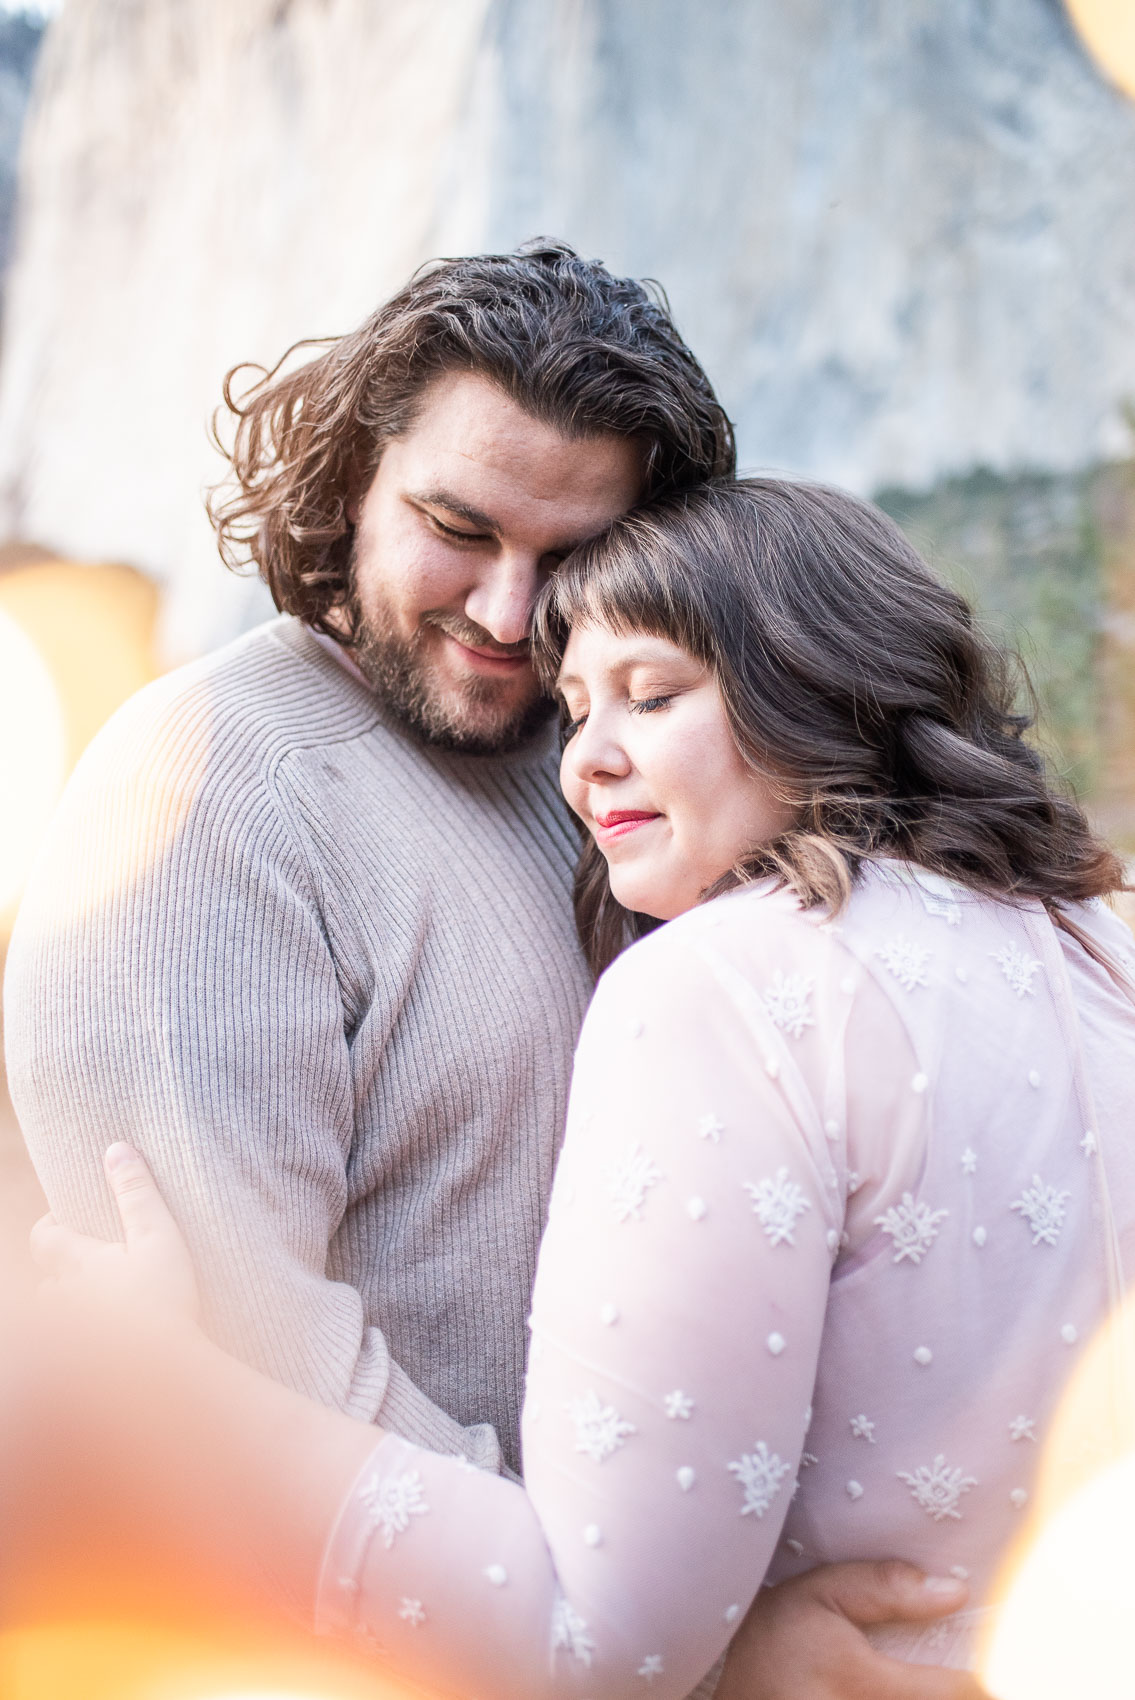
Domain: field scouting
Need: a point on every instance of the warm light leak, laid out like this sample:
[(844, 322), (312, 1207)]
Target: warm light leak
[(1063, 1619), (33, 747), (75, 641), (108, 1660), (1107, 30)]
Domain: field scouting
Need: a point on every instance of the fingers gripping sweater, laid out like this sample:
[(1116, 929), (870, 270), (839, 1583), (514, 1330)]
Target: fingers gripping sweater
[(328, 981)]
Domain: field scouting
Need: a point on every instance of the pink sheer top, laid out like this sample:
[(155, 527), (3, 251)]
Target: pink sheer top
[(825, 1242)]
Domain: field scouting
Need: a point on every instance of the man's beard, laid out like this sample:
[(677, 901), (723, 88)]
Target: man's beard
[(469, 719)]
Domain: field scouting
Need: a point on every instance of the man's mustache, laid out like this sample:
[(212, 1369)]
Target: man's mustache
[(471, 635)]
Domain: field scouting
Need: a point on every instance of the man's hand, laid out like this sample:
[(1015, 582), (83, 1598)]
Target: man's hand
[(804, 1639)]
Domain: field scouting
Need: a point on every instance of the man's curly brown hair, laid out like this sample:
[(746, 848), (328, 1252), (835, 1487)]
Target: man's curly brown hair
[(576, 347)]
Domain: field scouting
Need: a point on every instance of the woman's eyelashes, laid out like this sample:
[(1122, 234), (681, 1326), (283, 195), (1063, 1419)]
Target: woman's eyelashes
[(569, 726)]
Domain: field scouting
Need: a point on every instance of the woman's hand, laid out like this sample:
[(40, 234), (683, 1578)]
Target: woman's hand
[(150, 1269)]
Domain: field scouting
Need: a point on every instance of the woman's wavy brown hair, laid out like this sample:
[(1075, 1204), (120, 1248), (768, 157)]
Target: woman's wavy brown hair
[(852, 677), (577, 348)]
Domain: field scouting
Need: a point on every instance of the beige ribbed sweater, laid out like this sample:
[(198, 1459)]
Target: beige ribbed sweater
[(328, 981)]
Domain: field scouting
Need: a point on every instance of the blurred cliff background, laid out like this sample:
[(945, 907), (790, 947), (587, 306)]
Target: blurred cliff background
[(900, 236)]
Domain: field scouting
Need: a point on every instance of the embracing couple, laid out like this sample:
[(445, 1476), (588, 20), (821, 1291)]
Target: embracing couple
[(315, 934)]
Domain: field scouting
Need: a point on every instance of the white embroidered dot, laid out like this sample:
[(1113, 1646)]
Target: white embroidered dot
[(919, 1083), (776, 1344), (1088, 1144), (1034, 1077), (847, 985), (960, 1571), (685, 1478), (923, 1355), (348, 1584), (1022, 1428), (593, 1535), (833, 1238), (961, 974), (1068, 1334), (695, 1209), (497, 1575), (854, 1490), (412, 1613), (1018, 1497), (732, 1613), (796, 1548), (609, 1314), (979, 1236), (969, 1161), (831, 1128)]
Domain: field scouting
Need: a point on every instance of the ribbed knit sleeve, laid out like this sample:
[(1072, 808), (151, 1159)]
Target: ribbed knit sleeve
[(170, 982)]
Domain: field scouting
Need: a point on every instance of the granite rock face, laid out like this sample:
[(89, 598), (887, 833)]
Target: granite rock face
[(899, 236)]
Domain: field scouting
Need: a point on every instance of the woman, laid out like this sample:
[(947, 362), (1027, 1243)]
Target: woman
[(833, 1208)]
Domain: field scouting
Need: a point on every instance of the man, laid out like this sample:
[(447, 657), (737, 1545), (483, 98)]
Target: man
[(303, 931)]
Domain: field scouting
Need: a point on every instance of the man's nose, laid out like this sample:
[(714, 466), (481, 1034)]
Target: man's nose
[(502, 599)]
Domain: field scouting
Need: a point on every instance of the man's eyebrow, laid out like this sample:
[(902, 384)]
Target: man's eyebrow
[(454, 505)]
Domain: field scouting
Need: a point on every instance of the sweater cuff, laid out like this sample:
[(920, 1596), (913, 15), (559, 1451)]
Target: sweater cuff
[(406, 1411)]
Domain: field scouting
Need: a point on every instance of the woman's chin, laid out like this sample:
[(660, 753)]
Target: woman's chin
[(645, 897)]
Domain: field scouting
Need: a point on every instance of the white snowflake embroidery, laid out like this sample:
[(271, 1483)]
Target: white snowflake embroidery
[(650, 1667), (1022, 1428), (1019, 969), (906, 961), (788, 1001), (760, 1474), (937, 1488), (630, 1182), (710, 1128), (1044, 1209), (599, 1429), (411, 1612), (969, 1161), (392, 1501), (778, 1202), (678, 1405), (913, 1228), (863, 1429), (1088, 1144), (569, 1633)]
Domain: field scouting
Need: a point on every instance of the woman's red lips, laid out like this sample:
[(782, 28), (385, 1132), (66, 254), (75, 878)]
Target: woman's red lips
[(620, 817)]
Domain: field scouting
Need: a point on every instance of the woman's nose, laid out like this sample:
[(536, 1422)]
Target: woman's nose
[(596, 752)]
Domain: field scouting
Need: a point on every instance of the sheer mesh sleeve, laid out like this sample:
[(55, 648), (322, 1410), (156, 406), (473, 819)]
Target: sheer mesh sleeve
[(676, 1322)]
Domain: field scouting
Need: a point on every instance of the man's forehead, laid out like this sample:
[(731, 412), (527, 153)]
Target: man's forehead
[(476, 451)]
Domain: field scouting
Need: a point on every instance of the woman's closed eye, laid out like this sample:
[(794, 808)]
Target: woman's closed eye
[(647, 705), (569, 726)]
